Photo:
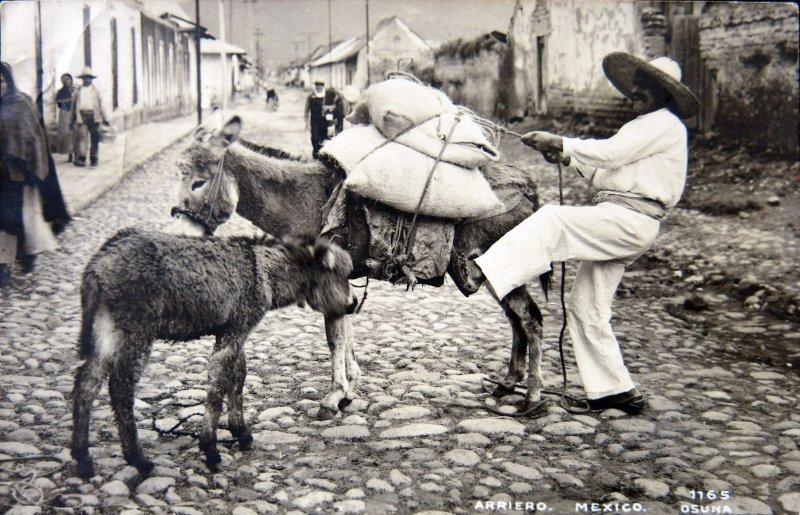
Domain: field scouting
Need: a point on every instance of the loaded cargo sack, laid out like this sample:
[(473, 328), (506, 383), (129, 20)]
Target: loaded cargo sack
[(417, 153), (414, 150)]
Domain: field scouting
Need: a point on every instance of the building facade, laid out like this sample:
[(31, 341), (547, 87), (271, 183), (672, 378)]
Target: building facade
[(470, 72), (739, 58), (142, 52), (355, 63)]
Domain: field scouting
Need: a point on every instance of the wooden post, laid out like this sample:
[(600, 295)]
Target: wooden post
[(39, 61), (198, 59), (224, 54), (366, 5)]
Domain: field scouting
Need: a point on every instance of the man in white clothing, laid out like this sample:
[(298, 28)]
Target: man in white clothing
[(640, 172), (89, 114)]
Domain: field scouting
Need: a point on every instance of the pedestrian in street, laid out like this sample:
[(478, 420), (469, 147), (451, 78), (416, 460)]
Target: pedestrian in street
[(30, 196), (640, 172), (64, 98), (89, 114), (314, 115), (272, 100)]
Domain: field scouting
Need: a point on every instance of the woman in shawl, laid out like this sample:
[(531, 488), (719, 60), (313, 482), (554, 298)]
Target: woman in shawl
[(64, 104), (30, 195)]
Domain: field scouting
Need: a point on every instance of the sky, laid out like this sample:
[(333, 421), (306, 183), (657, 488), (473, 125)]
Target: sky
[(290, 28)]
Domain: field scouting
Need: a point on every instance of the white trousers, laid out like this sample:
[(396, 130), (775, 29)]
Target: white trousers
[(38, 234), (605, 238)]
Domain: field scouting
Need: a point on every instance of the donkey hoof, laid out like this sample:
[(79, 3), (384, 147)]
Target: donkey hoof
[(145, 467), (213, 459), (532, 408), (326, 413), (345, 402), (245, 442), (85, 469), (502, 391)]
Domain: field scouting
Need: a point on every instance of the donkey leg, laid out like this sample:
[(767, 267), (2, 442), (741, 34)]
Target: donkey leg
[(220, 371), (526, 321), (125, 373), (353, 371), (88, 379), (236, 422), (519, 344), (338, 331)]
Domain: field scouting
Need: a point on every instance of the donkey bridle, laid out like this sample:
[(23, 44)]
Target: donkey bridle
[(199, 218)]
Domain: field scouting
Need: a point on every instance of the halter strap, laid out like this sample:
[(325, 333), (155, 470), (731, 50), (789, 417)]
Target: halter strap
[(213, 190)]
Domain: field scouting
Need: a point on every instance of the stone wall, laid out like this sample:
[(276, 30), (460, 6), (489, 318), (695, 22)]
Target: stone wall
[(751, 51), (469, 73)]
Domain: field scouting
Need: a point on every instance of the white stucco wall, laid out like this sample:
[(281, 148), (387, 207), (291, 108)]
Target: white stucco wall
[(63, 52), (576, 34)]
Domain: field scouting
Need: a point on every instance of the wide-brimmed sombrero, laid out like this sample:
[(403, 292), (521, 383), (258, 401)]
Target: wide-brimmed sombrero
[(621, 67), (87, 72)]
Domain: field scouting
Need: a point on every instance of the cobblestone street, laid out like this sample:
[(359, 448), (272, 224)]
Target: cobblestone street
[(722, 429)]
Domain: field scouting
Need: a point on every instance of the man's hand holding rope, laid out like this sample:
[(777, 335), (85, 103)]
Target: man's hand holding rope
[(548, 144)]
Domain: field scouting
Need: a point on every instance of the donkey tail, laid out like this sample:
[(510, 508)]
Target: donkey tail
[(546, 281), (90, 303)]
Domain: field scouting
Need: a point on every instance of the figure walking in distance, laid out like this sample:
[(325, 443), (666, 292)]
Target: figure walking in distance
[(640, 172), (31, 204), (64, 99), (272, 100), (314, 115), (89, 114)]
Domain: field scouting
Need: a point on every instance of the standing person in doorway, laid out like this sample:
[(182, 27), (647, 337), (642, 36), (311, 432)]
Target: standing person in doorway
[(640, 172), (64, 98), (89, 114), (31, 205), (314, 115)]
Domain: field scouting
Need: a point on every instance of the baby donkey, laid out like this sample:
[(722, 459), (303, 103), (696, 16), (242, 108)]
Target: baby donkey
[(142, 286)]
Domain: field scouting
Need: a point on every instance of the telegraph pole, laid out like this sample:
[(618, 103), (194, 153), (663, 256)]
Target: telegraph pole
[(258, 51), (330, 45), (37, 29), (198, 59), (366, 6), (223, 55)]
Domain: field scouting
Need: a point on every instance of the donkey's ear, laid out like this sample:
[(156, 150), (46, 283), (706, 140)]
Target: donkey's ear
[(325, 256), (202, 134), (231, 130)]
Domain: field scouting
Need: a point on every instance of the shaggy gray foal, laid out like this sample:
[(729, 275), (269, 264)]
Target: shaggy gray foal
[(142, 286)]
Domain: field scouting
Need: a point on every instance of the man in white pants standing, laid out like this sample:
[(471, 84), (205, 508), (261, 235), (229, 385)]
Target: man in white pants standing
[(640, 172)]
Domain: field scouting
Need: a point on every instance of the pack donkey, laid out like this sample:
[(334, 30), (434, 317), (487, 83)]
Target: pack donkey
[(222, 174), (142, 286)]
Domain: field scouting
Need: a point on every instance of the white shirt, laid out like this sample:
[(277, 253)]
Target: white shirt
[(647, 158), (88, 99)]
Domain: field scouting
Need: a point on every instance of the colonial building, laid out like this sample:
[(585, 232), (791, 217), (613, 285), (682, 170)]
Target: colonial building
[(355, 63), (142, 52), (740, 59), (222, 72)]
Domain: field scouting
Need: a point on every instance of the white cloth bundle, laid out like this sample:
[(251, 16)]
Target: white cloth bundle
[(395, 175), (396, 105), (421, 118)]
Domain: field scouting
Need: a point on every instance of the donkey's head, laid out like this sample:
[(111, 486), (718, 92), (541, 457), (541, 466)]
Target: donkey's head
[(208, 193), (327, 285)]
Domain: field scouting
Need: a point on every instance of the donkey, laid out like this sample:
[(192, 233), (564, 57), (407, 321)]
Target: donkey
[(221, 174), (142, 286)]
